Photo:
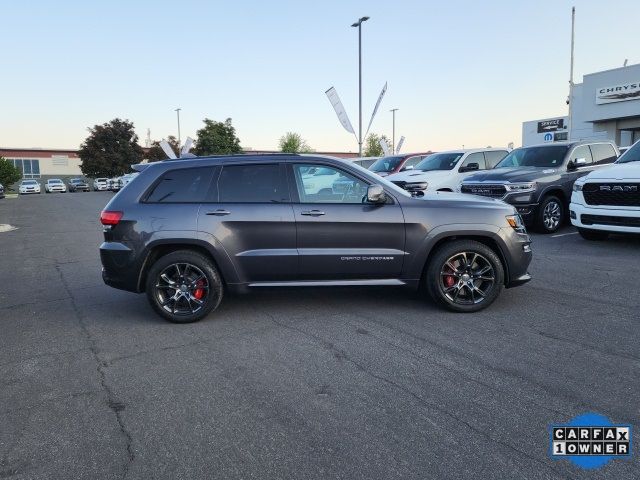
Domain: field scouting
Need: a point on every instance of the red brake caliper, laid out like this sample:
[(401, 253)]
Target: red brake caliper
[(199, 292), (449, 281)]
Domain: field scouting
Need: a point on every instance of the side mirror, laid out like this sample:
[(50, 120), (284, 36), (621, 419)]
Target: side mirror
[(408, 167), (470, 167), (375, 194)]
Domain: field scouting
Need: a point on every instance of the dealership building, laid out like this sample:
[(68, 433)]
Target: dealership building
[(605, 106)]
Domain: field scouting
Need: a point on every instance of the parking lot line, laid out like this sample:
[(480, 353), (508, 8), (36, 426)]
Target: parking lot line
[(564, 234)]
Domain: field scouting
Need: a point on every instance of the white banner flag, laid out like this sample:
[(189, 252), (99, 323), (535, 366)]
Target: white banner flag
[(375, 109), (399, 145), (385, 147), (339, 108)]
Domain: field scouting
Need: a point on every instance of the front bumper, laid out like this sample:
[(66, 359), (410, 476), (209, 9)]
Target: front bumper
[(518, 256), (611, 219)]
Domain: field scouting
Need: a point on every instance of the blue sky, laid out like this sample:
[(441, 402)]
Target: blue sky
[(461, 72)]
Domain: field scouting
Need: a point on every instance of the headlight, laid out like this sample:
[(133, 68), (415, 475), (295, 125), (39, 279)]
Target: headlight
[(577, 187), (515, 221), (521, 187)]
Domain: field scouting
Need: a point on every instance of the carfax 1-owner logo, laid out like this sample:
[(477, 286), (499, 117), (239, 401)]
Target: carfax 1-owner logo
[(590, 441)]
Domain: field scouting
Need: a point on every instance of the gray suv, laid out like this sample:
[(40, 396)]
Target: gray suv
[(185, 231)]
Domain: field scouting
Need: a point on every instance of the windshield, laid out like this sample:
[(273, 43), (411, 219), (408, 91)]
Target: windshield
[(55, 180), (386, 164), (439, 161), (29, 182), (543, 157), (631, 155)]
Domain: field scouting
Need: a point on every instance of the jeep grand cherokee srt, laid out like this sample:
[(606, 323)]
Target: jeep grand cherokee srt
[(538, 180), (185, 231)]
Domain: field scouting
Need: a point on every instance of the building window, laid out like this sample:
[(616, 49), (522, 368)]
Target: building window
[(30, 168)]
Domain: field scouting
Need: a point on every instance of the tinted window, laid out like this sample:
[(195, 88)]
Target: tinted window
[(386, 164), (334, 186), (253, 184), (603, 153), (582, 152), (186, 185), (544, 157), (439, 161), (494, 157), (478, 158)]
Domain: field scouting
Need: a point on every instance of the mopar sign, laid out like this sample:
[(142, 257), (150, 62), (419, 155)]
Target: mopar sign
[(550, 125), (618, 93)]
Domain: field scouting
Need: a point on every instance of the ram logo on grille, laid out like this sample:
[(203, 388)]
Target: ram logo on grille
[(618, 188)]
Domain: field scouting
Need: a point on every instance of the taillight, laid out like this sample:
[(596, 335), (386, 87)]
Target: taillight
[(110, 218)]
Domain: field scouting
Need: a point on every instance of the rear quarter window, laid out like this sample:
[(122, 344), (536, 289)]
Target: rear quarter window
[(184, 185)]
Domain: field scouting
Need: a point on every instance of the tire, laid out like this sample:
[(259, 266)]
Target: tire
[(199, 293), (449, 290), (593, 235), (551, 215)]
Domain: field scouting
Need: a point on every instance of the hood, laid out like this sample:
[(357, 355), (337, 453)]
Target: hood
[(616, 172), (419, 176), (512, 174), (464, 200)]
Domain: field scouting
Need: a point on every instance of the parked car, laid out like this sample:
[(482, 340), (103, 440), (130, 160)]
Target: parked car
[(538, 180), (444, 171), (55, 185), (608, 199), (101, 184), (28, 186), (364, 162), (186, 231), (114, 184), (1, 191), (78, 185), (125, 179), (396, 163)]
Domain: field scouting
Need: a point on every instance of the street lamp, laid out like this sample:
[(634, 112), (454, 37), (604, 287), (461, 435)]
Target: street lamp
[(358, 24), (393, 136), (177, 110)]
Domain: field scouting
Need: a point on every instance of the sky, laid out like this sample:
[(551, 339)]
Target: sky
[(460, 72)]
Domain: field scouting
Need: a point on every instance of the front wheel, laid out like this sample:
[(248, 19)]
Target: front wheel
[(184, 286), (464, 276), (594, 235), (550, 215)]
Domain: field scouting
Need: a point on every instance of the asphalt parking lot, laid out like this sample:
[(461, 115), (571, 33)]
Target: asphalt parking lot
[(304, 383)]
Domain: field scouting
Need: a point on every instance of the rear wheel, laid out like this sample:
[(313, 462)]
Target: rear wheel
[(184, 286), (594, 235), (464, 276), (551, 215)]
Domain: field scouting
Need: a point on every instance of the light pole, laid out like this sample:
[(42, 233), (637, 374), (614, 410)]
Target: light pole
[(177, 110), (393, 136), (359, 25)]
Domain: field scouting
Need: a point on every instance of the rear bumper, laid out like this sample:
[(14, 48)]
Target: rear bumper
[(120, 268)]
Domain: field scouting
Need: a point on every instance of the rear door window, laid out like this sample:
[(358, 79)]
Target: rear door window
[(184, 185), (253, 183), (603, 153)]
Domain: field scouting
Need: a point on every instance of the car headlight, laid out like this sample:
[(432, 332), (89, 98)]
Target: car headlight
[(515, 221), (521, 187), (577, 187)]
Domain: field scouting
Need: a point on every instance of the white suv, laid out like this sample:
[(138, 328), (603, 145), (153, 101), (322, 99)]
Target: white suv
[(55, 185), (100, 184), (444, 171), (608, 199)]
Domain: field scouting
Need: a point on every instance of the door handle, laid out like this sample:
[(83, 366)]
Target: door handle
[(312, 213), (219, 213)]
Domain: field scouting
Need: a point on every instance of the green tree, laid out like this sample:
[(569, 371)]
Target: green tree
[(372, 146), (217, 138), (292, 142), (155, 152), (110, 149), (8, 173)]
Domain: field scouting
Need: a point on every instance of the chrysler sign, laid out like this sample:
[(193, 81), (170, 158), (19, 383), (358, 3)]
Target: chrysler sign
[(618, 93)]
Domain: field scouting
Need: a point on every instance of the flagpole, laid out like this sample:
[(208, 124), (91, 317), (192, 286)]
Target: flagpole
[(570, 101)]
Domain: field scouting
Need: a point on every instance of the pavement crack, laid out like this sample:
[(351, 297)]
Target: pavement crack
[(112, 403), (342, 355)]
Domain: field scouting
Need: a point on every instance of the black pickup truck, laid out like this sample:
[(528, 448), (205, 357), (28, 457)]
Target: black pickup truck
[(538, 180)]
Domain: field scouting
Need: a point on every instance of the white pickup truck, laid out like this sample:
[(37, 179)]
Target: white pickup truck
[(608, 199)]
